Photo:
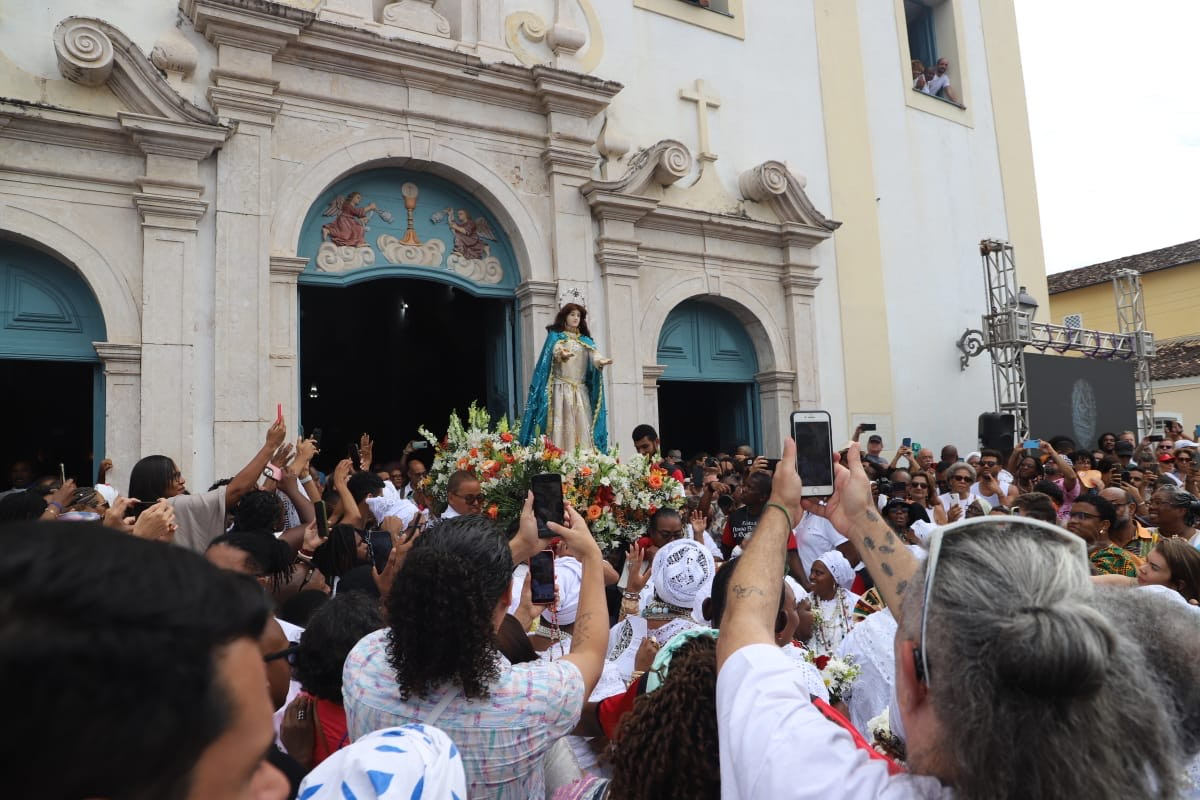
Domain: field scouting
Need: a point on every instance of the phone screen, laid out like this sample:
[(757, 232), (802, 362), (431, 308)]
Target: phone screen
[(541, 577), (380, 543), (814, 451), (547, 501), (868, 426), (322, 519), (906, 441)]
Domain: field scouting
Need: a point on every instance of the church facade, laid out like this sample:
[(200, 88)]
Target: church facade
[(214, 208)]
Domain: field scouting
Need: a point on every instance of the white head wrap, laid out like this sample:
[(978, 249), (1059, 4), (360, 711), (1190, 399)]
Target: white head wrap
[(107, 492), (391, 504), (838, 567), (390, 764), (680, 568), (698, 604), (568, 576)]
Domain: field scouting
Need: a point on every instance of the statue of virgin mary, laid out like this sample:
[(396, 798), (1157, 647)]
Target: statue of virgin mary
[(566, 396)]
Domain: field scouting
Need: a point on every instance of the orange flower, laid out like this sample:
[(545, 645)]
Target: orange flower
[(655, 481), (493, 511), (508, 457), (585, 471), (506, 437), (593, 512), (474, 452), (464, 462)]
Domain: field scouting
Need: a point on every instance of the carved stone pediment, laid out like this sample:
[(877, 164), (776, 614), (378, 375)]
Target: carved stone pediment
[(650, 171), (774, 186), (92, 52)]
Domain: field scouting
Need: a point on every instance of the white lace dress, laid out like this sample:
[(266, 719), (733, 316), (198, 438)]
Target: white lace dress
[(870, 645)]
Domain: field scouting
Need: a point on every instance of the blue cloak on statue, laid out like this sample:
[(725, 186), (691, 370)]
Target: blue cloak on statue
[(541, 387)]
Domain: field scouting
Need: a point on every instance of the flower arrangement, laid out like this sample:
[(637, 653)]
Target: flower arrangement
[(839, 674), (616, 498)]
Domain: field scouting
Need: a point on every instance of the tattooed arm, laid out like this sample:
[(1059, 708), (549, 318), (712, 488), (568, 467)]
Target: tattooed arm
[(753, 600), (854, 514)]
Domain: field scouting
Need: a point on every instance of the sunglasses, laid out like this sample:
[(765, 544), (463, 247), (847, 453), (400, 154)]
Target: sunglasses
[(989, 463), (1079, 516), (966, 478), (471, 499), (936, 541)]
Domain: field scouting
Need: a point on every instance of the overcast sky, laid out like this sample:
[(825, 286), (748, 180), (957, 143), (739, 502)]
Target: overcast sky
[(1114, 110)]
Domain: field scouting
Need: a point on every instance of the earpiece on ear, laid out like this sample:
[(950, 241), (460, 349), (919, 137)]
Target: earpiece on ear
[(918, 664)]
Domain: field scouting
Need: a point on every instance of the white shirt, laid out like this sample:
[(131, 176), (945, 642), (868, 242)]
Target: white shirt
[(815, 536), (450, 513), (774, 743), (936, 84)]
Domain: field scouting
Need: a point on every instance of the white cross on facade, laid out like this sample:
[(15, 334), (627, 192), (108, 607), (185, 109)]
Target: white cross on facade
[(704, 98)]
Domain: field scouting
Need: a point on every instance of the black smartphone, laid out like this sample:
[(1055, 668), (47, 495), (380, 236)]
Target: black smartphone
[(698, 475), (1155, 437), (380, 545), (541, 577), (812, 431), (353, 455), (322, 519), (316, 437), (547, 501), (1125, 476), (771, 464), (867, 426)]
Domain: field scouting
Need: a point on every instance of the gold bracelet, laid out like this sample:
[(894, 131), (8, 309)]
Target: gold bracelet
[(635, 676)]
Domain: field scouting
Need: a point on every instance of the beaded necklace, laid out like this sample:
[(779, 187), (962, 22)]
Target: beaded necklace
[(822, 629)]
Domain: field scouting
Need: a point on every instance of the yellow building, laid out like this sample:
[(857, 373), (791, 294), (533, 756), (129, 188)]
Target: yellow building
[(1171, 290)]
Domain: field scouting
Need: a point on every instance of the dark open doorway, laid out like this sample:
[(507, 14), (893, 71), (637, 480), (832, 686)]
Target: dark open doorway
[(48, 408), (697, 416), (389, 355)]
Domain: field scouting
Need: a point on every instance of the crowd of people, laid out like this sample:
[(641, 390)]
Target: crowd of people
[(1020, 624)]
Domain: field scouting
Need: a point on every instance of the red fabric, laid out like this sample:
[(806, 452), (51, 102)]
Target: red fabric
[(644, 543), (859, 587), (860, 741), (333, 735), (611, 709)]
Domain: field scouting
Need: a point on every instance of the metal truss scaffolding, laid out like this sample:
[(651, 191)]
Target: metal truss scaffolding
[(1008, 329)]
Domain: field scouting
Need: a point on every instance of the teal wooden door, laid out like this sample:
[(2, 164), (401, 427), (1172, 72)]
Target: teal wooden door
[(48, 315), (708, 398)]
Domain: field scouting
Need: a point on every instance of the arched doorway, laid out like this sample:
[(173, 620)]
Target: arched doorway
[(407, 310), (707, 397), (54, 384)]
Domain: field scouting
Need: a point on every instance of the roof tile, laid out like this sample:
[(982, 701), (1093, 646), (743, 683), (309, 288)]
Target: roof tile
[(1152, 261)]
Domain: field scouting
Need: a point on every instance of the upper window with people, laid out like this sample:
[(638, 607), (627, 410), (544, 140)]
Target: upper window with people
[(932, 46)]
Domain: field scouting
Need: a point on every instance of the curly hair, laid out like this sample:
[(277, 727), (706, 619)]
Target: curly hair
[(338, 554), (667, 746), (442, 606), (331, 633), (266, 556), (257, 510)]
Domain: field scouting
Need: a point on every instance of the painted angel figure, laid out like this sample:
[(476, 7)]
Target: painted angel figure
[(350, 227), (471, 235), (566, 397)]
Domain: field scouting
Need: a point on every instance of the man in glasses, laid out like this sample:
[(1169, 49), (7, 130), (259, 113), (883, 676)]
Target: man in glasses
[(991, 486), (464, 495)]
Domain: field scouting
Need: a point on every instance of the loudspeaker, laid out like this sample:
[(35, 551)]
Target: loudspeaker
[(996, 431)]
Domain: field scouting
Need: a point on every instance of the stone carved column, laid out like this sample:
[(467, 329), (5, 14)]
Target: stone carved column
[(172, 305), (243, 92), (649, 414), (285, 334), (122, 408), (537, 303), (776, 402)]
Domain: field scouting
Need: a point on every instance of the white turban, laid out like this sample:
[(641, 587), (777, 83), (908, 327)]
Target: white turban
[(391, 504), (390, 764), (568, 576), (680, 569), (838, 567)]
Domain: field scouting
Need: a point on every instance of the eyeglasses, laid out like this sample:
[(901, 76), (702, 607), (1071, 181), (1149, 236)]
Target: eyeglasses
[(1082, 515), (918, 485), (471, 499), (939, 536), (1184, 459), (989, 463), (668, 535), (966, 478)]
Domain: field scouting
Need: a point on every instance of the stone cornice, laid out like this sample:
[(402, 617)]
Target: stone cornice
[(92, 52), (722, 226), (259, 25), (34, 122), (169, 212), (288, 266), (161, 137), (777, 380), (120, 359)]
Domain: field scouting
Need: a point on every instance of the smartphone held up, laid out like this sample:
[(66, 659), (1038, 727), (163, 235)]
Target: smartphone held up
[(541, 577), (813, 432), (547, 502)]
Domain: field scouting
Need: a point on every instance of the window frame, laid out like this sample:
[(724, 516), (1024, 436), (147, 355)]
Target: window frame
[(955, 51), (730, 21)]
